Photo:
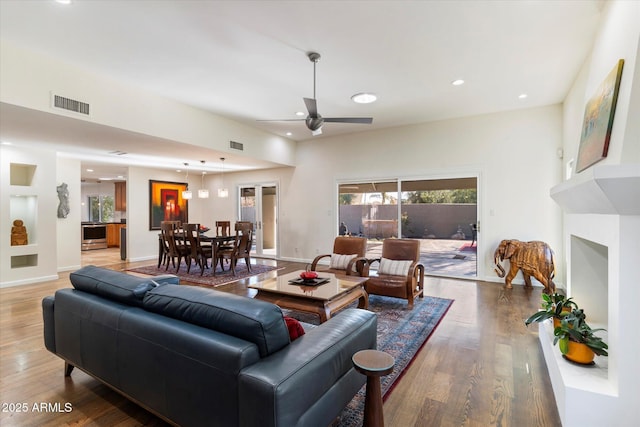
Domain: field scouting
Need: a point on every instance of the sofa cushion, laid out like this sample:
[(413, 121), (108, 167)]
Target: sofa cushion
[(394, 268), (115, 285), (255, 321)]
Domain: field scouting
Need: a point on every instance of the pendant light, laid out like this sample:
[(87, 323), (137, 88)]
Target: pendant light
[(203, 193), (187, 194), (223, 191)]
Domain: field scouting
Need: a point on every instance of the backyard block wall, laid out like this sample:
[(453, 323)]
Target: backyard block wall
[(437, 221)]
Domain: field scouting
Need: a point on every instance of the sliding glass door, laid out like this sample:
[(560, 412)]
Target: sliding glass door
[(369, 209), (441, 213), (259, 204)]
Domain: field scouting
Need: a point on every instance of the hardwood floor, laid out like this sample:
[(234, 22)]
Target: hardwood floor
[(481, 367)]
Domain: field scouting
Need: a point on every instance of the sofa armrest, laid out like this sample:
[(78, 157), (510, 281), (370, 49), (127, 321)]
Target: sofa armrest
[(167, 279), (49, 323), (311, 379)]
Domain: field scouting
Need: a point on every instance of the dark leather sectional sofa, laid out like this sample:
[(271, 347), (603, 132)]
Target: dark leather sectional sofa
[(200, 357)]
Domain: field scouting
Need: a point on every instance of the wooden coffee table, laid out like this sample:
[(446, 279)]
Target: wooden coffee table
[(323, 300)]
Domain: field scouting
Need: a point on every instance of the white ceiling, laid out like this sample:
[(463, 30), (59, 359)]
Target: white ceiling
[(246, 60)]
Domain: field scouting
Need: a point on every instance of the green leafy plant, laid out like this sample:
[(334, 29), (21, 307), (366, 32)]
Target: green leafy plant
[(553, 306), (573, 327)]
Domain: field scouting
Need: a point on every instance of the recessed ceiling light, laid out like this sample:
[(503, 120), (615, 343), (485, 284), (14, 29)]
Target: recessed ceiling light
[(63, 1), (89, 170), (364, 98), (522, 96), (289, 134), (457, 82), (299, 113), (6, 143)]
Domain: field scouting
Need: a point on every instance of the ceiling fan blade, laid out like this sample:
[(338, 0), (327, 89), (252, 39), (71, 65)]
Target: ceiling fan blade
[(281, 120), (361, 120), (312, 107)]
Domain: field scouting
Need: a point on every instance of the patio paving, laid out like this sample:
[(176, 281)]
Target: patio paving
[(440, 257)]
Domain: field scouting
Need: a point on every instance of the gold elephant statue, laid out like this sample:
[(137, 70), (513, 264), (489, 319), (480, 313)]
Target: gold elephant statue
[(533, 258)]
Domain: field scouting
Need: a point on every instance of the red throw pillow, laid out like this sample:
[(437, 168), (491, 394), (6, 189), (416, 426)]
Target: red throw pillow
[(295, 328)]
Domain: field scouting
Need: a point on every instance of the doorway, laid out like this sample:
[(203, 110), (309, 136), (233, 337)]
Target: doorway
[(258, 203)]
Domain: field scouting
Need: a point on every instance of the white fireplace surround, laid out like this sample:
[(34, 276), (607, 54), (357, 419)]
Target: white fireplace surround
[(601, 208)]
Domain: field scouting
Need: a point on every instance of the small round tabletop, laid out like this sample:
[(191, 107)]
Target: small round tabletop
[(373, 362)]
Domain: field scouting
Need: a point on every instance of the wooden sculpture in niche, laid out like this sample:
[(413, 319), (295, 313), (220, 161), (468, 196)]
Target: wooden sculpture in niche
[(19, 233), (533, 258)]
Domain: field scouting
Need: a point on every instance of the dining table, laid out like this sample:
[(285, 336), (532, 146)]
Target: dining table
[(215, 241)]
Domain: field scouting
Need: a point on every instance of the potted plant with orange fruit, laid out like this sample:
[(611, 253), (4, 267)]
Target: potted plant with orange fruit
[(576, 339)]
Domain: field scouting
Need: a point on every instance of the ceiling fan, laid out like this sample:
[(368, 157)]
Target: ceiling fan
[(314, 121)]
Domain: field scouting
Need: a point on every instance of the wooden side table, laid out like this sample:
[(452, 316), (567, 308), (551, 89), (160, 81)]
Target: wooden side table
[(374, 364)]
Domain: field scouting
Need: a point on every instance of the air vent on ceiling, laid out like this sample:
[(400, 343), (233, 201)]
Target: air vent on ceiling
[(236, 145), (69, 104)]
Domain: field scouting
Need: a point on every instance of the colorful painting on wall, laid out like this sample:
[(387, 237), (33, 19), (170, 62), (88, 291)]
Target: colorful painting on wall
[(598, 120), (166, 203)]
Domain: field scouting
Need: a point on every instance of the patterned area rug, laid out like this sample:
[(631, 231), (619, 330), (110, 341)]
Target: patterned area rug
[(401, 333), (207, 278)]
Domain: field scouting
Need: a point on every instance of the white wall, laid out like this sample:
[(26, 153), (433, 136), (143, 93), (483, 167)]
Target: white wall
[(69, 233)]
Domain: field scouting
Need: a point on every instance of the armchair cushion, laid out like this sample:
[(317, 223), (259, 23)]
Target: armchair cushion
[(340, 262), (395, 268)]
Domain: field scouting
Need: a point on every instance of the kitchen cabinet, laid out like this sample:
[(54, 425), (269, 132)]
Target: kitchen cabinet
[(113, 234), (121, 196)]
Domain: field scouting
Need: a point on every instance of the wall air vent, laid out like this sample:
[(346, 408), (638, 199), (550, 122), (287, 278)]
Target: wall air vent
[(236, 145), (69, 104)]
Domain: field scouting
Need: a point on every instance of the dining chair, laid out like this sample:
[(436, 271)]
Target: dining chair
[(223, 228), (241, 248), (177, 244), (164, 255), (400, 273), (198, 252)]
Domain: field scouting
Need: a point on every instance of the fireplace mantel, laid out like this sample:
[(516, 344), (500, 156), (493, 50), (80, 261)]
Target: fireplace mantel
[(601, 189)]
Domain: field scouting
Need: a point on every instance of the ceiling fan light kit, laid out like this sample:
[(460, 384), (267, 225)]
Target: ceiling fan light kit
[(314, 120), (364, 98)]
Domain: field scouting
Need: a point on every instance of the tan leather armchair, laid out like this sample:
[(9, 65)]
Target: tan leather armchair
[(346, 245), (398, 279)]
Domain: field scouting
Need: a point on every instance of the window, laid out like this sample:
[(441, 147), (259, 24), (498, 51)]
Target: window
[(101, 208)]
